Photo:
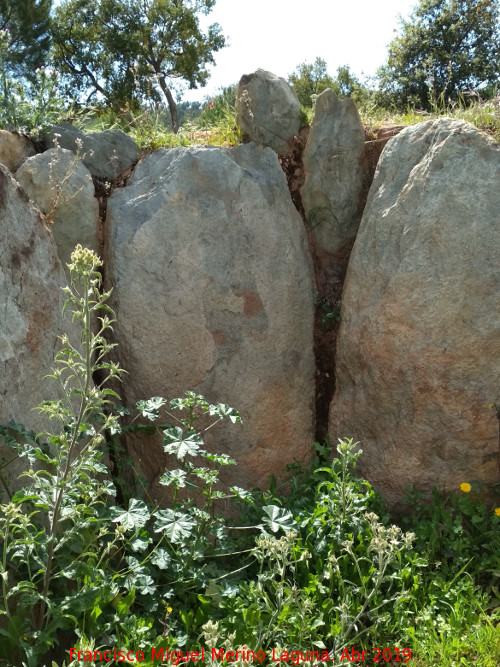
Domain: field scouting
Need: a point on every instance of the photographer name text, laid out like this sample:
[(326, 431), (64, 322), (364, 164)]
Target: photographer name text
[(295, 657)]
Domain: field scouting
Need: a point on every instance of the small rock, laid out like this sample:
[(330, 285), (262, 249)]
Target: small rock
[(334, 176), (105, 154), (267, 109), (14, 149), (63, 189)]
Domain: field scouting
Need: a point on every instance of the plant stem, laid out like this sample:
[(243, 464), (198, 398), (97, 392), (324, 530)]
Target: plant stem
[(62, 483)]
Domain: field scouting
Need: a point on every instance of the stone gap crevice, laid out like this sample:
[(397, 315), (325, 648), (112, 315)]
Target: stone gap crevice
[(329, 284)]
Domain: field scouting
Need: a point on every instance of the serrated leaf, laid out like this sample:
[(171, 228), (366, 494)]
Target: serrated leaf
[(176, 526), (151, 407), (245, 495), (222, 410), (278, 517), (161, 558), (136, 516), (176, 477), (175, 442)]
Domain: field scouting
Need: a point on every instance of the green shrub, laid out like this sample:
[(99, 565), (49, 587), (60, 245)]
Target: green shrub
[(87, 562), (29, 108), (75, 565)]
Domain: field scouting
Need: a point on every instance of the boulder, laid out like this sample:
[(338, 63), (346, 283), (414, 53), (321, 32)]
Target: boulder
[(63, 189), (418, 353), (213, 292), (105, 154), (267, 109), (334, 175), (31, 277), (14, 149)]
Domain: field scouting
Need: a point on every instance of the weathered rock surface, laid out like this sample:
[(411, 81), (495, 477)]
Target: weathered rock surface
[(62, 188), (105, 154), (213, 292), (14, 149), (267, 109), (334, 175), (31, 276), (418, 354)]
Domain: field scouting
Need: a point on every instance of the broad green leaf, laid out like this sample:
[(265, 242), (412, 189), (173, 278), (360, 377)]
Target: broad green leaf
[(245, 495), (139, 544), (278, 517), (151, 407), (222, 410), (160, 558), (136, 516), (176, 526), (176, 477), (175, 442), (221, 459)]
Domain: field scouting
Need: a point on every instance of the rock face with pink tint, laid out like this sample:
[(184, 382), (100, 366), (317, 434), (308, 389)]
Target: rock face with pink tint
[(418, 353), (31, 277), (213, 292)]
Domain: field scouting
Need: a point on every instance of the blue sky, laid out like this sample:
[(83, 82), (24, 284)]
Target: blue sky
[(277, 35)]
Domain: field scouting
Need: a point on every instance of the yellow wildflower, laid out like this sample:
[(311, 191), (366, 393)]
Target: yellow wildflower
[(465, 487), (497, 511)]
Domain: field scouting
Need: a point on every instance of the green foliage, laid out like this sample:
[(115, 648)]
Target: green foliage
[(31, 106), (86, 561), (27, 26), (337, 575), (457, 531), (309, 80), (74, 563), (124, 50), (218, 118), (447, 46)]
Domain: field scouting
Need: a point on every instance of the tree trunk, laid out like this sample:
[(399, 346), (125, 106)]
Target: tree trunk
[(172, 106)]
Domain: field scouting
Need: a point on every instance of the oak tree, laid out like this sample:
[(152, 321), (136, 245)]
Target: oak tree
[(122, 50), (445, 48)]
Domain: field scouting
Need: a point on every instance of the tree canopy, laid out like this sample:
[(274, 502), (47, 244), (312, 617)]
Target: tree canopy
[(447, 46), (309, 80), (129, 49), (27, 22)]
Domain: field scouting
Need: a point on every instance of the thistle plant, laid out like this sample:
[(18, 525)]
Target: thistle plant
[(72, 560), (43, 526)]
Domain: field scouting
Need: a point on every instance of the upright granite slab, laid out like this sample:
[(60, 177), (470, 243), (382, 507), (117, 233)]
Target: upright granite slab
[(418, 353), (31, 277), (213, 292)]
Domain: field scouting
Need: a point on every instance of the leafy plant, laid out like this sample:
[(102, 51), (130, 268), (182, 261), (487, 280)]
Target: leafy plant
[(75, 564), (28, 107)]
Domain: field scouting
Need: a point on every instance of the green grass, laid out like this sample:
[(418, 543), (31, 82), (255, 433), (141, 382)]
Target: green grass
[(483, 115)]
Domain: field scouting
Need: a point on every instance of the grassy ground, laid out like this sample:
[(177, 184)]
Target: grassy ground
[(217, 127)]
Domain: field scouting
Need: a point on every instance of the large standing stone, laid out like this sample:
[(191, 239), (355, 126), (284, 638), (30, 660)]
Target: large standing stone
[(334, 176), (213, 293), (62, 188), (267, 109), (14, 149), (31, 277), (418, 355), (105, 154)]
